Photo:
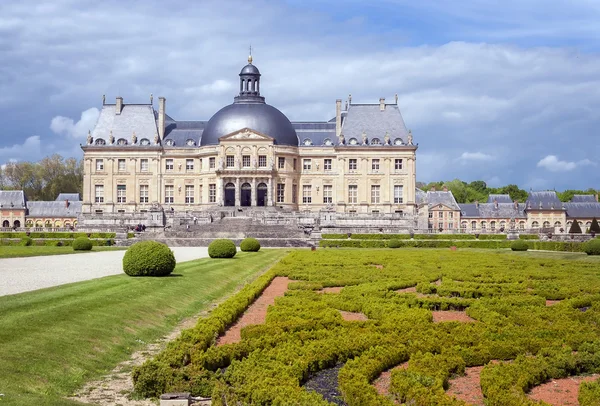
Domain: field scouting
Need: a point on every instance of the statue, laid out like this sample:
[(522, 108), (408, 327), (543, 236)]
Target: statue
[(410, 137), (156, 138), (111, 138), (341, 139), (386, 139), (364, 138), (133, 138), (89, 138), (151, 98), (103, 99), (220, 167), (254, 162)]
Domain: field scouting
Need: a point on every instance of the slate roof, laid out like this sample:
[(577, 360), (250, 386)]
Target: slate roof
[(499, 198), (490, 210), (547, 200), (181, 131), (583, 199), (53, 209), (12, 198), (134, 117), (420, 196), (581, 210), (445, 198), (72, 197), (374, 122), (316, 132)]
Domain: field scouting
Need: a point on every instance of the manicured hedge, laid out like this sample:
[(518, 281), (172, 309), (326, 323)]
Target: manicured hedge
[(407, 236), (82, 244), (26, 241), (148, 258), (250, 245), (55, 242), (592, 247), (222, 248), (519, 245), (529, 236), (394, 244), (334, 236), (62, 235)]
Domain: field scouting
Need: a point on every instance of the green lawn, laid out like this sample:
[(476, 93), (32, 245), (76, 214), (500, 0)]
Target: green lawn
[(33, 251), (54, 340)]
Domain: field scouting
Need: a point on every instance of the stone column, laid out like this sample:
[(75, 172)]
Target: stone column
[(220, 194), (253, 195), (237, 192), (269, 192)]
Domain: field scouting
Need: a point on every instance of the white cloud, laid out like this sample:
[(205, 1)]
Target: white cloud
[(475, 156), (30, 149), (553, 164), (66, 126)]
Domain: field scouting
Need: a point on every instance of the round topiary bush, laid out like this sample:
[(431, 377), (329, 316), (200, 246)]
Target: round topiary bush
[(82, 244), (148, 258), (221, 248), (394, 244), (519, 245), (592, 247), (250, 245), (26, 242)]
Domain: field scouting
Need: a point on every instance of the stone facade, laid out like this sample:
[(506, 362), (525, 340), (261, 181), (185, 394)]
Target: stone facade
[(17, 212)]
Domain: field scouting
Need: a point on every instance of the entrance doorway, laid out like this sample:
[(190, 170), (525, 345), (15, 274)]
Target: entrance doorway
[(246, 195), (5, 224), (17, 223), (261, 194), (230, 194)]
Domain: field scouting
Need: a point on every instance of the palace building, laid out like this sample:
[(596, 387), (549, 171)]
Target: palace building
[(249, 154)]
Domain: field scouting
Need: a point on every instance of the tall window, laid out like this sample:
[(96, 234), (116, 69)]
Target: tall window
[(121, 165), (189, 194), (99, 165), (294, 164), (327, 194), (189, 165), (169, 193), (262, 161), (353, 194), (352, 164), (168, 164), (441, 225), (211, 162), (306, 194), (212, 193), (375, 194), (143, 165), (281, 162), (450, 215), (99, 194), (246, 161), (375, 165), (473, 225), (294, 193), (121, 194), (143, 193), (327, 164), (441, 214), (230, 161), (398, 194), (280, 192), (307, 164), (430, 214), (398, 164)]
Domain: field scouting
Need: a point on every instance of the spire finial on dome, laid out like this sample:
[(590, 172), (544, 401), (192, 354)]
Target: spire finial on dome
[(250, 55)]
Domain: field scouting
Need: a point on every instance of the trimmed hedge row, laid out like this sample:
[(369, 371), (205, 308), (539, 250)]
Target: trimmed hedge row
[(416, 237), (493, 244), (53, 243), (56, 235)]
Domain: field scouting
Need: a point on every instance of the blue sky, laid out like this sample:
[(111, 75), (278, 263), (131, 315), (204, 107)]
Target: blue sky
[(503, 91)]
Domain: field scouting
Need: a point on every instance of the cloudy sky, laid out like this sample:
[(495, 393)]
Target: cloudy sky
[(503, 91)]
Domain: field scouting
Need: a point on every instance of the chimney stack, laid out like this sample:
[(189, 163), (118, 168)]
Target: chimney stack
[(119, 105), (67, 203), (445, 188), (477, 203), (396, 98), (495, 203), (161, 117), (516, 205), (382, 104), (596, 197), (338, 117)]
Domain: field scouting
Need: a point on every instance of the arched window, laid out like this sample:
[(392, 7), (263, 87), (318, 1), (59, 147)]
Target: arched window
[(58, 224), (144, 141), (29, 223), (535, 224), (398, 141), (588, 224), (503, 224), (483, 225), (48, 224), (546, 224), (473, 225), (327, 141), (463, 224), (17, 224), (353, 141), (557, 224), (493, 225), (39, 223), (375, 141), (522, 225), (5, 224), (100, 141), (121, 141), (307, 142)]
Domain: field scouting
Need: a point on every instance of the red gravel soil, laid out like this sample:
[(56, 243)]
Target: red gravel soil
[(382, 383), (438, 282), (334, 289), (257, 312), (351, 316), (407, 290), (552, 302), (451, 315), (467, 387), (560, 392)]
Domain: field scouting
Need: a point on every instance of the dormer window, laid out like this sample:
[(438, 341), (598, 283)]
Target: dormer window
[(307, 142), (327, 142), (169, 143), (353, 141), (144, 141), (121, 141), (398, 141), (375, 141), (190, 143), (100, 141)]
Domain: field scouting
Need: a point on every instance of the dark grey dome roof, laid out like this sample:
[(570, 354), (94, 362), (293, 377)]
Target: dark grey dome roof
[(259, 117), (250, 70)]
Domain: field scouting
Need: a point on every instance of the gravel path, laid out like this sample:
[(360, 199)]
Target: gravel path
[(31, 273)]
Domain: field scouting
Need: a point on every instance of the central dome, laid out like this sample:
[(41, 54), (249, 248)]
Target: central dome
[(259, 117), (249, 110)]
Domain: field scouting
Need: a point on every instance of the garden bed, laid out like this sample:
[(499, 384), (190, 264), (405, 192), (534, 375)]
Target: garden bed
[(560, 392)]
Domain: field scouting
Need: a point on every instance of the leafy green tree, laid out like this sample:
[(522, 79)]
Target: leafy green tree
[(516, 194), (575, 229)]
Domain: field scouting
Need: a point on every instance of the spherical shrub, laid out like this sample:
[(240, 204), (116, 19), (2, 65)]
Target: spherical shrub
[(592, 247), (26, 242), (148, 258), (250, 245), (519, 245), (82, 244), (394, 244), (221, 248)]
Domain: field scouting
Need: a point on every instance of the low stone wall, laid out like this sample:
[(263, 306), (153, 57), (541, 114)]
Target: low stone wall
[(204, 242)]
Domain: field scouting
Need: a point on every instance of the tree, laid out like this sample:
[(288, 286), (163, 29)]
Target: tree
[(516, 194), (479, 186), (575, 229), (595, 227)]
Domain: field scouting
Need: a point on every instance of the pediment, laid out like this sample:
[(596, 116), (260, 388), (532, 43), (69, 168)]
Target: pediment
[(245, 134)]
